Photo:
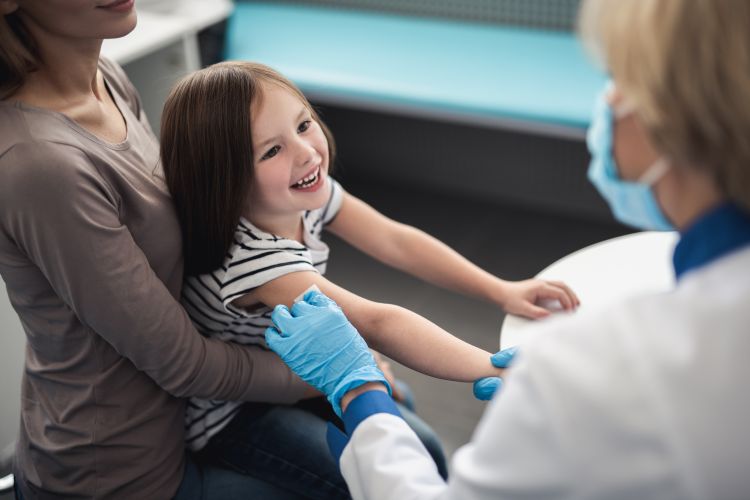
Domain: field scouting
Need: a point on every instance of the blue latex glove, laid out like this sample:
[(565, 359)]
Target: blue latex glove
[(321, 346), (485, 388)]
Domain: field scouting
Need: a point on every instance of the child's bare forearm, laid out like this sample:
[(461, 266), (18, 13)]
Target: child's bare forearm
[(421, 345), (398, 333), (431, 260)]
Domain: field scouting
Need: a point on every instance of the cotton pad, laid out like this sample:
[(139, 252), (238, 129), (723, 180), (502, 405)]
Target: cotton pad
[(311, 288)]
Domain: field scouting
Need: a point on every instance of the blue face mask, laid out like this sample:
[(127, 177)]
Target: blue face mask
[(632, 203)]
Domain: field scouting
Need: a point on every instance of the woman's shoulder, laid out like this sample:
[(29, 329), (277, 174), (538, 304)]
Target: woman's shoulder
[(35, 155), (36, 132), (42, 168), (14, 127), (40, 177)]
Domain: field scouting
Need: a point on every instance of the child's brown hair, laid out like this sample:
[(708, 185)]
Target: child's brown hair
[(207, 153)]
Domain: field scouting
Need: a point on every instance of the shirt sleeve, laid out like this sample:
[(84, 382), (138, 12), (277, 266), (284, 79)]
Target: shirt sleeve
[(332, 208), (513, 454), (257, 258), (64, 216)]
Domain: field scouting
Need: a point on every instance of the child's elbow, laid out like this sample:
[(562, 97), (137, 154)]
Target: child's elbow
[(380, 318)]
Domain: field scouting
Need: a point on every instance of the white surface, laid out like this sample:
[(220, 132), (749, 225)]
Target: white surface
[(153, 32), (607, 272), (157, 29), (6, 483)]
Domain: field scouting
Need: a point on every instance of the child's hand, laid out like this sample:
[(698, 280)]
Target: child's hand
[(522, 297)]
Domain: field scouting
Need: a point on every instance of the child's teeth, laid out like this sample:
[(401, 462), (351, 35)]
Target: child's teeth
[(307, 180)]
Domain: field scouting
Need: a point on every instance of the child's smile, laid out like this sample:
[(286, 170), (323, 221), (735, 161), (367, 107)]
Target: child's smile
[(310, 182)]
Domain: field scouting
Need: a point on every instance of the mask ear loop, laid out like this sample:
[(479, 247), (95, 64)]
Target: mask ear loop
[(654, 172), (657, 170), (623, 109)]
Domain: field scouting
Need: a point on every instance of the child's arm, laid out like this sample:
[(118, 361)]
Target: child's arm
[(398, 333), (419, 254)]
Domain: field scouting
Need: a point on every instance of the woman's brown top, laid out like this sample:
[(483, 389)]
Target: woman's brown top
[(90, 252)]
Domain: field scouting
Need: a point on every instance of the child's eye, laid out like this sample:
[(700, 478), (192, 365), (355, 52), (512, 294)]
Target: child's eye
[(304, 126), (271, 153)]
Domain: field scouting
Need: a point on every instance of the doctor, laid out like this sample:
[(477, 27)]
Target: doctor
[(647, 399)]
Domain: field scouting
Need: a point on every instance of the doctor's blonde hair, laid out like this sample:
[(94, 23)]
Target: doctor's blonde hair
[(685, 65)]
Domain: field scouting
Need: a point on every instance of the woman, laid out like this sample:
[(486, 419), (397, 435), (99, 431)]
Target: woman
[(647, 399), (90, 252)]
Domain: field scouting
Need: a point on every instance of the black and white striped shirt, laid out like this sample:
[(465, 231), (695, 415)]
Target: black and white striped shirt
[(256, 257)]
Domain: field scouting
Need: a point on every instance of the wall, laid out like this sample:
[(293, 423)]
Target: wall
[(11, 367), (547, 14)]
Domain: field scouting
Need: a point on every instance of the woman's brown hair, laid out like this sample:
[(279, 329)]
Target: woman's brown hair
[(207, 153), (18, 54)]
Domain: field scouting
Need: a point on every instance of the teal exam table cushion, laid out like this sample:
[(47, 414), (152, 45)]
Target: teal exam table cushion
[(506, 76)]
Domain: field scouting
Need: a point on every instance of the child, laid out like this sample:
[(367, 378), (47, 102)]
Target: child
[(247, 159)]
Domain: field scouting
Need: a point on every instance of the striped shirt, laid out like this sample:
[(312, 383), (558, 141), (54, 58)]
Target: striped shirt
[(255, 258)]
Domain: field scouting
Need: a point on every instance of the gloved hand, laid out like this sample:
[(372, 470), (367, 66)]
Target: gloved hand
[(485, 388), (321, 346)]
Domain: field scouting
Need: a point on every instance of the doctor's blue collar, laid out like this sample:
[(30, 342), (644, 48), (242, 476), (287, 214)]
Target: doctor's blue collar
[(715, 234)]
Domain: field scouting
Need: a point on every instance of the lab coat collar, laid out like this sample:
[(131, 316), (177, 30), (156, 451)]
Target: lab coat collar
[(715, 234)]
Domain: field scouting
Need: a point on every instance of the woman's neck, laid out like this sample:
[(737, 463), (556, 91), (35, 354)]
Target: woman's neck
[(68, 73)]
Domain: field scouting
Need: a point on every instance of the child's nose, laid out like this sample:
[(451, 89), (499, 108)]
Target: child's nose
[(306, 153)]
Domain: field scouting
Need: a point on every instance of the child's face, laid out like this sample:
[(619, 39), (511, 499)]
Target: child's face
[(290, 156)]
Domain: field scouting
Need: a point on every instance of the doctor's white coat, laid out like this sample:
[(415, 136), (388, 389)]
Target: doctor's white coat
[(648, 399)]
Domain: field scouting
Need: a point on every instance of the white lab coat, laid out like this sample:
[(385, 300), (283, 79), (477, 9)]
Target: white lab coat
[(648, 399)]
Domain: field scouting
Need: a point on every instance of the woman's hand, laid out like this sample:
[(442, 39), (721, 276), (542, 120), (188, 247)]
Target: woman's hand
[(311, 392), (522, 297), (385, 367)]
